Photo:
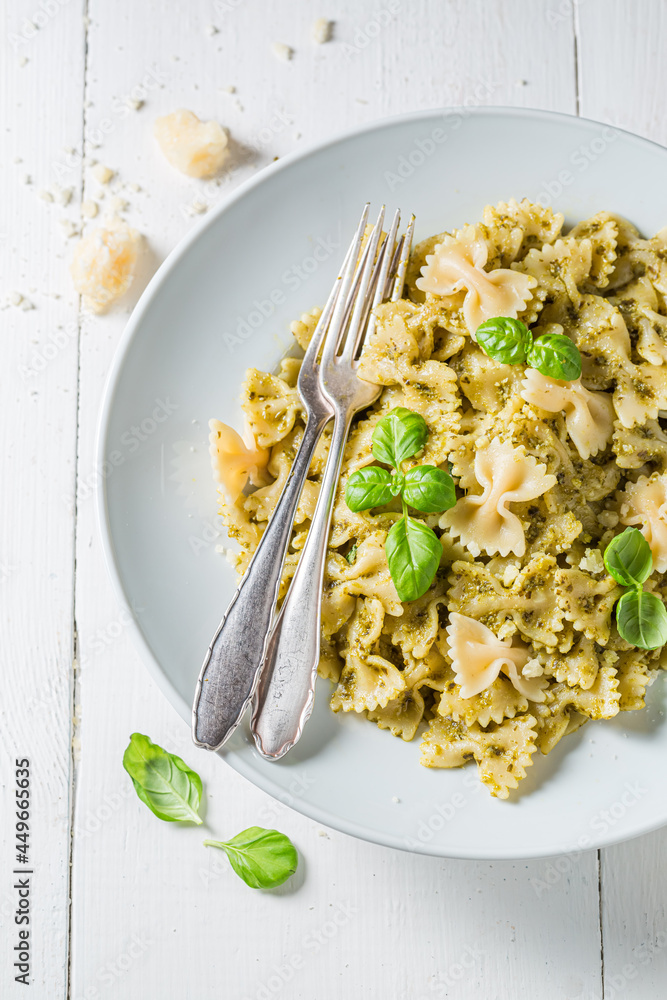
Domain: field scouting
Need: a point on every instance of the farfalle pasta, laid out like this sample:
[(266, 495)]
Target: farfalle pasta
[(514, 646)]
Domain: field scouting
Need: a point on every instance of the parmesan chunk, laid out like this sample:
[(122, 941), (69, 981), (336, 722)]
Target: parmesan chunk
[(196, 148), (282, 51), (102, 174), (103, 265), (322, 31)]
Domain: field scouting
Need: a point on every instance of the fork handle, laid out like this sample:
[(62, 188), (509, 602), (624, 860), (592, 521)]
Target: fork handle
[(286, 690), (229, 674)]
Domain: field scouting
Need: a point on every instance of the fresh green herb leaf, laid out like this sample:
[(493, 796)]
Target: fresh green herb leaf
[(352, 554), (641, 619), (262, 858), (628, 558), (429, 489), (163, 781), (368, 487), (399, 435), (504, 339), (413, 555), (397, 483), (555, 356)]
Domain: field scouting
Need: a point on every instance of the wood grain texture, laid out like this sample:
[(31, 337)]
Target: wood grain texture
[(361, 920), (41, 99), (634, 922), (154, 913)]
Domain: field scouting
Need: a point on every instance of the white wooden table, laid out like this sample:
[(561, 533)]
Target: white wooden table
[(123, 906)]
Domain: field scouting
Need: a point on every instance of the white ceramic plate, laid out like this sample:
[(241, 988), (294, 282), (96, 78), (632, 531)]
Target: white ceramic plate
[(222, 302)]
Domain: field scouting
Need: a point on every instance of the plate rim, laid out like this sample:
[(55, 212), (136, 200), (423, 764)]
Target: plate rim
[(230, 756)]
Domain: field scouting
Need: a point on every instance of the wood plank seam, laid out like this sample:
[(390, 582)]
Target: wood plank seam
[(75, 700)]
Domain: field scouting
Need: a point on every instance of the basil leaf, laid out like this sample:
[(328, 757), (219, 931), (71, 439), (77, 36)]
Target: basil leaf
[(555, 356), (413, 555), (504, 339), (369, 487), (163, 781), (641, 619), (397, 482), (628, 558), (399, 435), (429, 489), (262, 858), (352, 555)]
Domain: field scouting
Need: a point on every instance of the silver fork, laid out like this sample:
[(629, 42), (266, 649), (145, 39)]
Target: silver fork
[(230, 671), (285, 694)]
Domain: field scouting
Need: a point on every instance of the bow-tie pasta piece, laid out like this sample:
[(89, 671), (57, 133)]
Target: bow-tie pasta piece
[(639, 306), (589, 416), (234, 460), (271, 406), (502, 754), (457, 264), (499, 701), (478, 656), (640, 390), (602, 232), (640, 444), (515, 227), (485, 522), (644, 505), (401, 716)]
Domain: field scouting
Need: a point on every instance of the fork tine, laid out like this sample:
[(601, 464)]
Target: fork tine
[(388, 267), (344, 285), (367, 271), (406, 249), (313, 350)]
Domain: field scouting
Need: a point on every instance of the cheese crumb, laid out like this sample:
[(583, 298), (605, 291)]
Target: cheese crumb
[(102, 174), (211, 30), (89, 209), (608, 518), (103, 265), (196, 148), (510, 575), (592, 561), (134, 103), (322, 30), (282, 51), (69, 228), (14, 298), (63, 195), (117, 204), (45, 194), (198, 207), (533, 668)]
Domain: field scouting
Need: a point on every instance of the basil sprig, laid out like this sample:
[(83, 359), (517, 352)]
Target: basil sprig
[(262, 858), (413, 549), (172, 791), (641, 617), (163, 781), (511, 342)]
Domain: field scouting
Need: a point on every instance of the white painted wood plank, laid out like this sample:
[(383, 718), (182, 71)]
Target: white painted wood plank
[(622, 69), (41, 85), (154, 913), (623, 77)]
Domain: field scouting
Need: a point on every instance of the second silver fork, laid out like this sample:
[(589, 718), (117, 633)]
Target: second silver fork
[(231, 668), (285, 695)]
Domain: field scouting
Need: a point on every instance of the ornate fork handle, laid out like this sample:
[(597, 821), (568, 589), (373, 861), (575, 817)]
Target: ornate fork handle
[(231, 668), (292, 653)]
